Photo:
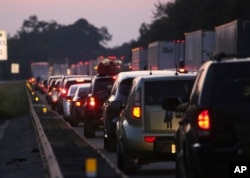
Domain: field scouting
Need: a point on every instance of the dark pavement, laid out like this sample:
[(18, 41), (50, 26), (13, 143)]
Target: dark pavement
[(19, 150)]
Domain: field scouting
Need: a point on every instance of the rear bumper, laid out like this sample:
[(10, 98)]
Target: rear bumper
[(219, 161)]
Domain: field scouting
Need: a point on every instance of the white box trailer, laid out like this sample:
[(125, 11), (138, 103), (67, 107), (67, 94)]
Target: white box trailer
[(233, 38), (165, 54), (39, 69), (139, 60), (199, 47)]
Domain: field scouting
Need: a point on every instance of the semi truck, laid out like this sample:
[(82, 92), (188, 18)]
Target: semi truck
[(233, 38), (139, 58), (199, 47), (165, 54)]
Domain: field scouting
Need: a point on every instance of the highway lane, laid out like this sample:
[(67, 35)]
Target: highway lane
[(153, 170)]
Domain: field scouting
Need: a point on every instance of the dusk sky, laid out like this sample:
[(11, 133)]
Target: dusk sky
[(123, 18)]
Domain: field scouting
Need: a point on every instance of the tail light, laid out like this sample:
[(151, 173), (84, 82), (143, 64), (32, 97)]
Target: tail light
[(69, 100), (92, 101), (203, 122), (63, 91), (149, 139), (136, 107), (78, 103)]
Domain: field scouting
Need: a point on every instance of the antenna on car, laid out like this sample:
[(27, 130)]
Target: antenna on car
[(150, 71), (176, 69)]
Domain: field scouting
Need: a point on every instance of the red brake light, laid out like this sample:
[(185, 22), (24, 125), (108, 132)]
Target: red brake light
[(149, 139), (63, 91), (204, 120)]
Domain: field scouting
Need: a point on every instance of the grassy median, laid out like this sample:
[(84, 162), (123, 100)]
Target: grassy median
[(13, 99)]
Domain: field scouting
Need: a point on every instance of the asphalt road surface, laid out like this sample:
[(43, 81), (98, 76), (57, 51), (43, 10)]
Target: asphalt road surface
[(19, 150)]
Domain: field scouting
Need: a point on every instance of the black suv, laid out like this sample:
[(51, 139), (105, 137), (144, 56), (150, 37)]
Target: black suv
[(214, 132), (92, 107)]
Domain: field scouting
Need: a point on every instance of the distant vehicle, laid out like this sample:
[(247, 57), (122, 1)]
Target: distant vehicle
[(119, 92), (236, 34), (100, 89), (75, 107), (50, 81), (199, 48), (165, 54), (63, 104), (139, 59), (145, 130), (39, 69)]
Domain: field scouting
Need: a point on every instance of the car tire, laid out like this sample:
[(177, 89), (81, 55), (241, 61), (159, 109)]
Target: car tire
[(110, 144), (89, 131), (73, 120), (179, 166), (124, 162)]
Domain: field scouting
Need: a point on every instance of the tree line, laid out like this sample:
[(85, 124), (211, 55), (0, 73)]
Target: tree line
[(49, 41)]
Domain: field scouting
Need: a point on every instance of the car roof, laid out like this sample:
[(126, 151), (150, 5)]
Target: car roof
[(132, 74), (169, 76), (81, 85)]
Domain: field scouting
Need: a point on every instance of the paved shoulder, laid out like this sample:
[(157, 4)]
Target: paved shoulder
[(19, 150)]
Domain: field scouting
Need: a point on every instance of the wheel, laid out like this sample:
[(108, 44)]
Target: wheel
[(110, 144), (89, 131), (109, 139), (73, 120), (124, 162)]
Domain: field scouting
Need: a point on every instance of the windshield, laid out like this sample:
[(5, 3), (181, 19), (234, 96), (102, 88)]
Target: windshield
[(157, 91), (102, 84)]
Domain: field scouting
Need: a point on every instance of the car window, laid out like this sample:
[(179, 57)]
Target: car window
[(125, 86), (102, 84), (232, 83), (157, 91)]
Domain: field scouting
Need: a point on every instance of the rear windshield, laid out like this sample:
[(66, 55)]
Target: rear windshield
[(102, 84), (232, 83), (72, 82), (157, 91)]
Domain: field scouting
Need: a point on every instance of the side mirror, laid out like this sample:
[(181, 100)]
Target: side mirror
[(116, 105)]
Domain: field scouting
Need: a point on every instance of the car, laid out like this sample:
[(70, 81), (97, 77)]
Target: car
[(63, 89), (144, 129), (63, 103), (119, 92), (75, 107), (54, 93), (51, 79), (213, 133), (92, 107)]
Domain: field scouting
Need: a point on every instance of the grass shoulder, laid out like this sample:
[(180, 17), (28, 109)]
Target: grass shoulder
[(14, 100)]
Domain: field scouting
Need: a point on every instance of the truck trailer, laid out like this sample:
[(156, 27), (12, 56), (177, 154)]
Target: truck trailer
[(199, 47), (165, 54), (139, 59), (39, 69), (233, 39)]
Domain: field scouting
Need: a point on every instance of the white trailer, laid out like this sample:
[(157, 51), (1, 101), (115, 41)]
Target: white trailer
[(199, 47), (165, 54), (39, 69), (233, 38), (139, 58)]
